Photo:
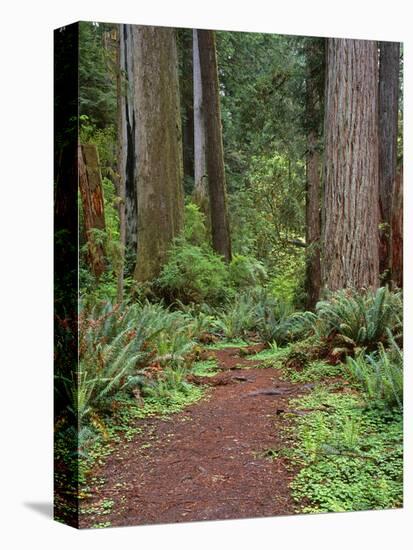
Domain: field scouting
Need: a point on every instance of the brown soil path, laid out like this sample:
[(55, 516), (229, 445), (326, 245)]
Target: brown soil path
[(208, 462)]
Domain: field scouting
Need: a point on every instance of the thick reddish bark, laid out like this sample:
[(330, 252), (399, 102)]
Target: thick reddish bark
[(350, 233), (90, 186)]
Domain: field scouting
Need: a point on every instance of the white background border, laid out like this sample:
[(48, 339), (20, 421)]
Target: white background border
[(26, 273)]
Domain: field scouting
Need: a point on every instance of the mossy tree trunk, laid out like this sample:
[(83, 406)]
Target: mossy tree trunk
[(388, 128), (90, 186), (159, 172), (221, 239), (351, 201)]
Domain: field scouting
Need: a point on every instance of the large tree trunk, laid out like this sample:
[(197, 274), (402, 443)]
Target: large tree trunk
[(350, 235), (200, 170), (314, 90), (397, 233), (221, 239), (158, 146), (90, 186), (126, 135), (388, 128)]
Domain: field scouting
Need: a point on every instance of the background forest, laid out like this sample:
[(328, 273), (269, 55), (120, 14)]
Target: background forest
[(240, 189)]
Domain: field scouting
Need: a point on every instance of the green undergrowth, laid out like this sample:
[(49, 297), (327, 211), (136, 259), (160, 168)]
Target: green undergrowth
[(205, 368), (348, 452), (351, 458), (273, 355), (230, 343), (313, 372)]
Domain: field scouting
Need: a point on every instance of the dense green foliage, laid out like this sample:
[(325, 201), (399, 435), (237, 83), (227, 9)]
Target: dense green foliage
[(350, 458), (194, 274), (139, 357), (347, 445), (380, 375), (96, 74), (361, 320)]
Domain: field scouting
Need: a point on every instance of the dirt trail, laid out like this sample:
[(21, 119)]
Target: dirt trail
[(208, 462)]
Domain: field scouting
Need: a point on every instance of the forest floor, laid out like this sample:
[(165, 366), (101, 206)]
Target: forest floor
[(210, 461)]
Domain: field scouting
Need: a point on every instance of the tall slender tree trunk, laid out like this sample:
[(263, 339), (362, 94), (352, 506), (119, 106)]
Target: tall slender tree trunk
[(121, 172), (221, 239), (200, 169), (159, 172), (126, 135), (350, 235), (314, 89), (90, 186), (388, 128)]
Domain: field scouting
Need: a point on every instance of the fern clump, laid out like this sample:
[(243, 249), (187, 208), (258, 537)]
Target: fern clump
[(238, 318), (278, 322), (117, 344), (352, 320), (380, 374)]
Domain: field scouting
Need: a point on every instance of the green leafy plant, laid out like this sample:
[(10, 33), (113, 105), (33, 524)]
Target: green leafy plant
[(238, 318), (194, 232), (194, 274), (205, 368), (171, 389), (350, 458), (354, 320), (380, 374), (246, 272), (173, 346), (277, 321)]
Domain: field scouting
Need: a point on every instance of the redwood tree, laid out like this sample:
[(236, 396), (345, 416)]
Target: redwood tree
[(121, 175), (350, 234), (221, 240), (126, 134), (91, 193), (200, 169), (315, 68), (158, 143), (388, 131)]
